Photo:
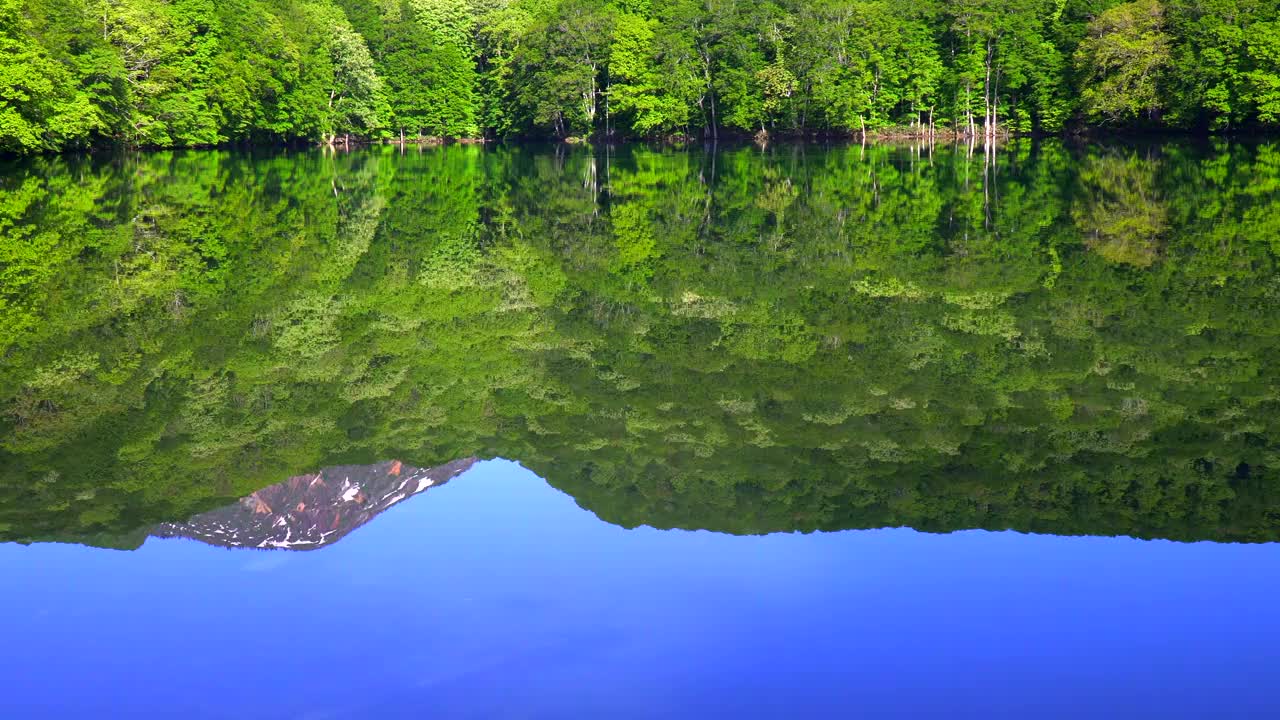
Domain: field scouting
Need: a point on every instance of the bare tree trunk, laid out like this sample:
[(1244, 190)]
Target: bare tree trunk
[(715, 126), (968, 110), (986, 92), (710, 93), (995, 104), (589, 99)]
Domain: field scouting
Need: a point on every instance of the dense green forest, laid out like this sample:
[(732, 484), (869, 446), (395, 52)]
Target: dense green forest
[(169, 73), (1053, 339)]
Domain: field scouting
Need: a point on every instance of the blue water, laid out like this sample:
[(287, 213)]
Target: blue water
[(495, 596)]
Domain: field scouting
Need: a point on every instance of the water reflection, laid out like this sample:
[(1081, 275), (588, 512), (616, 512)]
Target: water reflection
[(308, 512), (496, 596), (1069, 340)]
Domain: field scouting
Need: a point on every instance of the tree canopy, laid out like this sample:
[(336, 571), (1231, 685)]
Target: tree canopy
[(185, 73)]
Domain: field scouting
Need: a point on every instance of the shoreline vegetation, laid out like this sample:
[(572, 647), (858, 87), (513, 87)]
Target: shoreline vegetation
[(938, 136), (728, 139), (76, 74), (945, 137)]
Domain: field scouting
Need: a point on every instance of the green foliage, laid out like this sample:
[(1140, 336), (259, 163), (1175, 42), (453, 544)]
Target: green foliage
[(426, 67), (1219, 74), (355, 90), (640, 91), (559, 66), (40, 106), (1070, 341), (185, 73), (1124, 60)]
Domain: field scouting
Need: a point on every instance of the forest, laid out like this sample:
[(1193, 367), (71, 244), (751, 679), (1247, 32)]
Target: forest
[(1053, 339), (192, 73)]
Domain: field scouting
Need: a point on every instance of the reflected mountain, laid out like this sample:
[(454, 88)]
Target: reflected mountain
[(1064, 339), (308, 512)]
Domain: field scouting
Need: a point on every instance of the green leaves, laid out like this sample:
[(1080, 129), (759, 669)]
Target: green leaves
[(182, 73), (560, 66), (40, 107), (641, 90), (1263, 77), (356, 102), (1124, 60)]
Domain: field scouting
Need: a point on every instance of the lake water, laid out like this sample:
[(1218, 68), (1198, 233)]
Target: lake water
[(883, 431)]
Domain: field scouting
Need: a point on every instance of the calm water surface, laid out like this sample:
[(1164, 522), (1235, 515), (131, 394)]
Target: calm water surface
[(252, 410)]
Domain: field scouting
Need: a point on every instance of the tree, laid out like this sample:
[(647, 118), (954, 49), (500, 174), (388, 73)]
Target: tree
[(641, 90), (745, 35), (561, 64), (1264, 76), (181, 73), (429, 79), (40, 106), (356, 102), (1124, 59)]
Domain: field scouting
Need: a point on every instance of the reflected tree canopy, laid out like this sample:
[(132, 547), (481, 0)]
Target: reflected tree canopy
[(1054, 339)]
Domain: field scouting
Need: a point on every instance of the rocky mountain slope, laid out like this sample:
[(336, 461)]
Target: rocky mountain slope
[(308, 512)]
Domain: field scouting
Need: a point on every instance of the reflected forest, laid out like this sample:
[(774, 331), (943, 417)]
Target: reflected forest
[(1047, 338)]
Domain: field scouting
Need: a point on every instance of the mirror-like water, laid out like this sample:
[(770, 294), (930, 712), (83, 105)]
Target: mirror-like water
[(1057, 340), (494, 596), (272, 350)]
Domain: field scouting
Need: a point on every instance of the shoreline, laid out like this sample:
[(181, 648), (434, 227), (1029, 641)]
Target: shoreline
[(726, 138)]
